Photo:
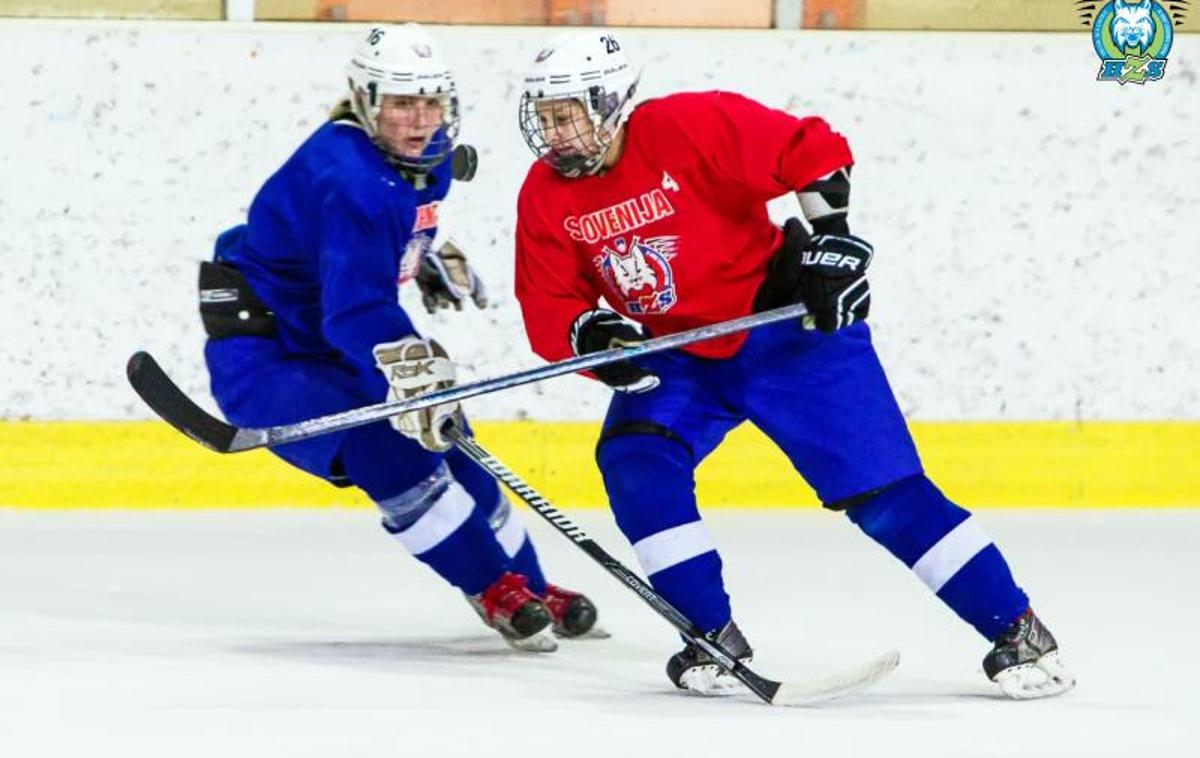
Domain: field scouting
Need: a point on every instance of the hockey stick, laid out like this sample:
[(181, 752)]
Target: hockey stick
[(174, 406), (772, 692)]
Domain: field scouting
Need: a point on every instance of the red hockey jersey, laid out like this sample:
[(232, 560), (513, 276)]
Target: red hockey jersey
[(676, 234)]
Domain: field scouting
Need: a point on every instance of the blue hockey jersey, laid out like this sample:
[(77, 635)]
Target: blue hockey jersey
[(329, 238)]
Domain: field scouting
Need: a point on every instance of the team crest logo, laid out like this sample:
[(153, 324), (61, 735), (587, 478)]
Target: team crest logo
[(640, 270), (1132, 38), (414, 252), (425, 219)]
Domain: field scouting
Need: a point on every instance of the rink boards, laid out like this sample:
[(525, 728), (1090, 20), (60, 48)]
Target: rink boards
[(1010, 298), (145, 464)]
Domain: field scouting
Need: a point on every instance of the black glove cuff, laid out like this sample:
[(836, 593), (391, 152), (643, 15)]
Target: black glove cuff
[(620, 374), (780, 285)]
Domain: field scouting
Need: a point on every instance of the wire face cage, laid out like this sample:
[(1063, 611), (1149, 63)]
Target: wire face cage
[(367, 104), (568, 131)]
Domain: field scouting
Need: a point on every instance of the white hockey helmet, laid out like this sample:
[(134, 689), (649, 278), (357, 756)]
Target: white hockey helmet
[(587, 66), (403, 60)]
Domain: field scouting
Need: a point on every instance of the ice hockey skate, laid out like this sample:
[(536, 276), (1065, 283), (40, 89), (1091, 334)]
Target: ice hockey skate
[(509, 607), (1025, 661), (573, 615), (693, 669)]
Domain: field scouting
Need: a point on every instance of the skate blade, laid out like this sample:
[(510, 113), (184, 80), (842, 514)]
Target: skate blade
[(1045, 677), (539, 642), (836, 685), (595, 633), (710, 681)]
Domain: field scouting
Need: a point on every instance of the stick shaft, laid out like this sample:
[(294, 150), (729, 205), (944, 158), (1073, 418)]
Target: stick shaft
[(760, 686)]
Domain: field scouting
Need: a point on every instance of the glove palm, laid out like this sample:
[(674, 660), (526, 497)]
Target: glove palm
[(446, 279)]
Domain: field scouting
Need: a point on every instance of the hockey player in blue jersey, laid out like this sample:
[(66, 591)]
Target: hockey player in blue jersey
[(300, 305), (660, 210)]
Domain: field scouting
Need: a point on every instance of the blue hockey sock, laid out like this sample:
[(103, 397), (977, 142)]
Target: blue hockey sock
[(696, 588), (517, 545), (526, 562), (505, 523), (468, 557), (651, 490), (947, 549), (425, 508)]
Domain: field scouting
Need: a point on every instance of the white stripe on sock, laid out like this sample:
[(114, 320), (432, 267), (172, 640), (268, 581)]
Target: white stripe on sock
[(445, 516), (673, 546), (945, 559), (511, 535)]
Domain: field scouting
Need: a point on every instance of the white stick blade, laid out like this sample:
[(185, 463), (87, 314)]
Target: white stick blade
[(836, 685)]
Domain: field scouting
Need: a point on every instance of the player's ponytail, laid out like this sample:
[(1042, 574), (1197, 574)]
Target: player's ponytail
[(343, 111)]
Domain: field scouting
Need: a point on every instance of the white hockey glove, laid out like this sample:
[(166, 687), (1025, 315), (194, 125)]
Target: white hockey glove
[(414, 366), (446, 279)]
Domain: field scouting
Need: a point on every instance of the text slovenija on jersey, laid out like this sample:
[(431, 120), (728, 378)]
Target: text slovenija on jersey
[(676, 235)]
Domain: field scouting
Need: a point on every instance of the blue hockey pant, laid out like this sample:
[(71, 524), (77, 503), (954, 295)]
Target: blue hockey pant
[(442, 507), (825, 401)]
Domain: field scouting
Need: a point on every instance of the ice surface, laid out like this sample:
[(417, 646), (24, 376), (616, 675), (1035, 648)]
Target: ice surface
[(311, 633)]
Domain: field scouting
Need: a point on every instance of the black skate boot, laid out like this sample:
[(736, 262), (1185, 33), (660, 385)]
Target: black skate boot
[(693, 669), (509, 607), (574, 614), (1025, 661)]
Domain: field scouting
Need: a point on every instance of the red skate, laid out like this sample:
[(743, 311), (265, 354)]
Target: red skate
[(520, 616)]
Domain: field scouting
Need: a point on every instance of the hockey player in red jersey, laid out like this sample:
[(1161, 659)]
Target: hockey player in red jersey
[(660, 210)]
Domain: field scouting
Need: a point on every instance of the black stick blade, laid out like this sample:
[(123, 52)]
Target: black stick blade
[(166, 399)]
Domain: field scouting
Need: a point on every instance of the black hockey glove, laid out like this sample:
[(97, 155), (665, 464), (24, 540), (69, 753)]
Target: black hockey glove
[(833, 280), (826, 272), (598, 330), (782, 284)]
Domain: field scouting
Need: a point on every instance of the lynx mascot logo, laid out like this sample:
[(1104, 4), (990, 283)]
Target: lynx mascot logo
[(641, 272), (1132, 38)]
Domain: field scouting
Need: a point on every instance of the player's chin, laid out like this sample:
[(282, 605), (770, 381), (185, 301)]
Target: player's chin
[(563, 158), (568, 163)]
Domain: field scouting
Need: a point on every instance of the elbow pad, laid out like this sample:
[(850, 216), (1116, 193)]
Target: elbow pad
[(826, 202)]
